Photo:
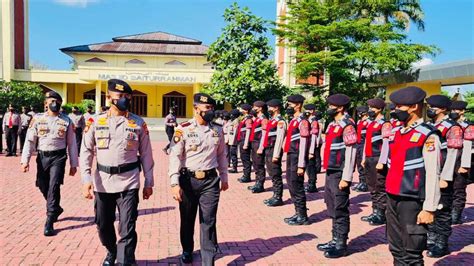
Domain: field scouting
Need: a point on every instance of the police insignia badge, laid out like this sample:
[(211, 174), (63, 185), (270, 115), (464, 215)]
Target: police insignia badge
[(102, 143), (119, 87), (102, 121), (177, 135), (430, 145)]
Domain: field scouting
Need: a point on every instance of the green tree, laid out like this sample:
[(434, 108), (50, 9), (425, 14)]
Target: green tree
[(353, 40), (20, 94), (243, 71), (469, 98)]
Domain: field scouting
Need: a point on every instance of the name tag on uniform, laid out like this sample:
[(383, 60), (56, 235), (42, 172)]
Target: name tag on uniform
[(336, 129), (376, 125), (441, 128), (415, 137)]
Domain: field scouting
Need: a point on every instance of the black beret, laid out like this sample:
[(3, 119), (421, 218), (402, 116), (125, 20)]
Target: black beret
[(259, 103), (310, 106), (217, 112), (234, 112), (225, 113), (246, 107), (439, 101), (203, 98), (458, 105), (339, 99), (408, 96), (362, 109), (274, 103), (391, 106), (54, 95), (377, 103), (118, 85), (297, 98)]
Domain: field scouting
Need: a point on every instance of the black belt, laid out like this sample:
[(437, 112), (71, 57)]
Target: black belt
[(113, 170), (52, 153), (200, 174)]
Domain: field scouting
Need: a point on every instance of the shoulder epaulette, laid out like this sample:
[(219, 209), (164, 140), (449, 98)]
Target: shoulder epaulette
[(185, 124)]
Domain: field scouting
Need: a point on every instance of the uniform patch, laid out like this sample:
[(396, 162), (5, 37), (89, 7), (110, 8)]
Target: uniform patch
[(415, 137), (430, 145), (469, 132), (349, 135), (281, 124), (336, 129), (178, 134), (454, 138), (304, 128), (386, 130), (61, 132)]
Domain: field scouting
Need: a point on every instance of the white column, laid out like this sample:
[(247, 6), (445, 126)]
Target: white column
[(98, 92)]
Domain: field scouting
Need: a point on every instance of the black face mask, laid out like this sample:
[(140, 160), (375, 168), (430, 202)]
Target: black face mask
[(122, 104), (401, 116), (454, 116), (207, 115), (271, 112), (318, 115), (372, 114), (290, 111), (306, 114), (431, 113), (331, 112), (253, 113), (54, 107), (392, 115)]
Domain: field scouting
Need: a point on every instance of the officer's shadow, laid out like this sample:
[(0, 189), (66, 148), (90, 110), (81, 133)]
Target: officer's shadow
[(89, 221), (262, 248)]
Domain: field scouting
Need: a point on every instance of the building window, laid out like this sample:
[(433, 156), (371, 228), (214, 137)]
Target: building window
[(175, 63), (95, 60), (139, 103), (135, 61), (90, 95), (174, 100)]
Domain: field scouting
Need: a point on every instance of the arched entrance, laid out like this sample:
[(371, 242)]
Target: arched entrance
[(139, 103), (174, 100)]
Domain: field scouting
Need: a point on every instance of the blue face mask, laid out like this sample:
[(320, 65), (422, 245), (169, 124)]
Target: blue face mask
[(54, 107), (122, 104)]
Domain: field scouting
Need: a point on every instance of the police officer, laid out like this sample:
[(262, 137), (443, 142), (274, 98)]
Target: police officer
[(296, 147), (25, 119), (451, 149), (32, 111), (198, 172), (232, 128), (314, 158), (170, 124), (458, 109), (243, 136), (377, 132), (412, 180), (258, 151), (89, 114), (53, 133), (79, 124), (362, 122), (272, 142), (11, 123), (339, 161), (122, 144)]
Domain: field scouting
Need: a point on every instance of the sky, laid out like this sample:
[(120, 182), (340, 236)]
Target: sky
[(56, 24)]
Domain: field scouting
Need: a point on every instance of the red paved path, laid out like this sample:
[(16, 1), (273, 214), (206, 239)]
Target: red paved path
[(248, 231)]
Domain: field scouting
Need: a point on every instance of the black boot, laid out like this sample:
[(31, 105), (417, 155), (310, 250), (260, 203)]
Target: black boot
[(328, 245), (267, 200), (48, 227), (110, 258), (233, 170), (311, 188), (378, 218), (362, 187), (431, 240), (258, 188), (274, 202), (456, 216), (187, 257), (339, 249), (56, 216), (286, 220), (369, 217), (440, 248), (301, 218), (244, 179)]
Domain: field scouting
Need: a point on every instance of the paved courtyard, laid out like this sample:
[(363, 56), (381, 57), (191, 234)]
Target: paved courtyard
[(248, 231)]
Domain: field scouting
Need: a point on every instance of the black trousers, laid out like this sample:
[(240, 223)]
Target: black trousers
[(376, 183), (49, 178), (169, 132), (459, 191), (442, 222), (127, 204), (22, 135), (275, 172), (337, 202), (361, 170), (245, 157), (406, 239), (78, 139), (11, 135), (1, 139), (314, 166), (203, 194), (258, 161), (295, 184), (233, 155)]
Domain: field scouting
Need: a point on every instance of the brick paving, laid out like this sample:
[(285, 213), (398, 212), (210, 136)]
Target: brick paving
[(248, 231)]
